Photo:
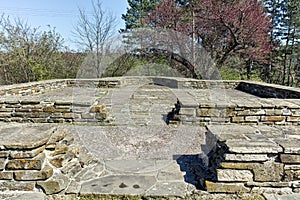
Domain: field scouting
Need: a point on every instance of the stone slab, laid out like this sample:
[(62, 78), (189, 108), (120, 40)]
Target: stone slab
[(119, 184), (259, 147), (226, 187), (295, 196), (246, 157), (231, 175), (169, 189), (22, 195), (25, 136)]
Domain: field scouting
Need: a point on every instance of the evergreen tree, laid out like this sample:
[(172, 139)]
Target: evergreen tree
[(135, 16)]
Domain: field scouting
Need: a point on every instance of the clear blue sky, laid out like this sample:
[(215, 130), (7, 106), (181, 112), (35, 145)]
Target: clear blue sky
[(62, 14)]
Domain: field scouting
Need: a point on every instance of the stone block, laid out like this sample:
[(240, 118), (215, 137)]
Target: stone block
[(293, 119), (268, 184), (57, 161), (268, 172), (55, 185), (290, 158), (290, 145), (33, 175), (4, 175), (58, 135), (291, 175), (60, 148), (291, 167), (2, 163), (232, 175), (271, 112), (258, 147), (73, 188), (49, 109), (237, 165), (273, 118), (188, 111), (272, 190), (252, 118), (26, 137), (16, 186), (286, 112), (238, 119), (88, 115), (97, 108), (246, 157), (27, 154), (251, 112), (226, 187), (26, 164)]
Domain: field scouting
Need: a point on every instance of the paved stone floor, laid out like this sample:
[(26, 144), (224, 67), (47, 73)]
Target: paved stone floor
[(140, 154), (142, 160)]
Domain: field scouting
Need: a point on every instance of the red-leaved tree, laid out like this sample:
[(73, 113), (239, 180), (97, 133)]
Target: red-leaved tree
[(223, 27)]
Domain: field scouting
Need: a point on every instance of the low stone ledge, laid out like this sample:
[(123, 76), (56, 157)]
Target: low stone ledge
[(215, 187), (261, 168), (22, 137)]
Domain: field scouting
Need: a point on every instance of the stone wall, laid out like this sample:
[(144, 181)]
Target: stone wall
[(207, 113), (254, 159), (265, 90), (37, 111), (39, 158)]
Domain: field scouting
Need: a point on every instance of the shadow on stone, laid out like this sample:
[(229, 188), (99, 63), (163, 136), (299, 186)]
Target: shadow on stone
[(196, 170)]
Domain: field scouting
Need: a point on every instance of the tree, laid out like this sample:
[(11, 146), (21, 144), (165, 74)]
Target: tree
[(27, 54), (93, 32), (285, 36), (224, 27), (135, 15)]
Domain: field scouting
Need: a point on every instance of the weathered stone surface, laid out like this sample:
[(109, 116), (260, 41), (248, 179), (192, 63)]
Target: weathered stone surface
[(272, 190), (268, 184), (291, 167), (170, 173), (273, 118), (57, 161), (54, 185), (4, 175), (269, 171), (4, 154), (71, 168), (25, 137), (60, 148), (281, 196), (176, 189), (12, 195), (16, 186), (290, 145), (226, 187), (57, 136), (24, 164), (30, 175), (121, 184), (27, 153), (259, 147), (291, 175), (2, 163), (230, 175), (246, 157), (237, 165), (290, 159), (73, 188)]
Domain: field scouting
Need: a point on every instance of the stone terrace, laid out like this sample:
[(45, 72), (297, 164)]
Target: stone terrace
[(245, 145)]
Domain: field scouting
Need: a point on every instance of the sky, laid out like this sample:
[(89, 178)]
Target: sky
[(61, 14)]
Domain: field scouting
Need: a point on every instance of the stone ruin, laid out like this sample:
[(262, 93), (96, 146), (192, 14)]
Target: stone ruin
[(251, 138)]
